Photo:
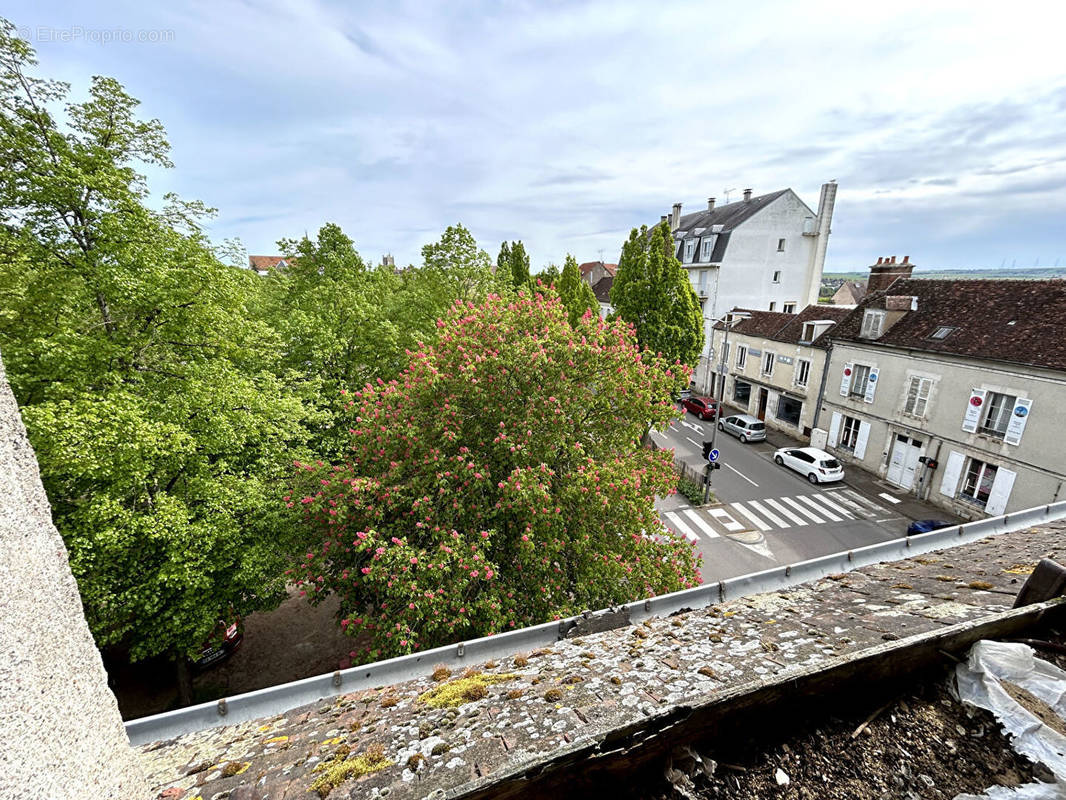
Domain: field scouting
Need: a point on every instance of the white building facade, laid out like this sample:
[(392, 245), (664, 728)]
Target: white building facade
[(765, 253)]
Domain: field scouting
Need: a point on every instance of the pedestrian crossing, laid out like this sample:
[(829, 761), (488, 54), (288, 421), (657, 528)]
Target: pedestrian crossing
[(773, 513)]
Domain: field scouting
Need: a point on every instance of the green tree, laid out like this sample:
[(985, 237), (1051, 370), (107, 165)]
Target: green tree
[(513, 264), (576, 294), (652, 292), (150, 397), (454, 515), (549, 276), (340, 324)]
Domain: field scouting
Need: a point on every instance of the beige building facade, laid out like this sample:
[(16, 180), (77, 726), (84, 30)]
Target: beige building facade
[(952, 391)]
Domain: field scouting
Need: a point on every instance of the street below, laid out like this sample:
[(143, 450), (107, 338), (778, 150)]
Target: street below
[(767, 515)]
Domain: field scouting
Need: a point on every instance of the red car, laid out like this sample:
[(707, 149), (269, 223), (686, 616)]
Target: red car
[(702, 407)]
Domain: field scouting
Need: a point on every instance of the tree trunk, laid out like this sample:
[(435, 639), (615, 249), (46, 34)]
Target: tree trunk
[(184, 676)]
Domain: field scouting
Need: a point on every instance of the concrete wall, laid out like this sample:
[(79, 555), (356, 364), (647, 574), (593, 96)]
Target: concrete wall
[(60, 731), (1038, 459), (782, 381)]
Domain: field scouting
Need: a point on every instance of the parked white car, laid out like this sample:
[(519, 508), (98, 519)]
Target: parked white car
[(816, 465)]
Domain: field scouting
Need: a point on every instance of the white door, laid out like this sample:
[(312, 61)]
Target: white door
[(903, 463)]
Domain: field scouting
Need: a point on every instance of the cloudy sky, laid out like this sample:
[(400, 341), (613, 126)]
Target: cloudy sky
[(567, 123)]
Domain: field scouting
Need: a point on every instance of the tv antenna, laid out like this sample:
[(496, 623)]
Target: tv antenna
[(727, 192), (601, 254)]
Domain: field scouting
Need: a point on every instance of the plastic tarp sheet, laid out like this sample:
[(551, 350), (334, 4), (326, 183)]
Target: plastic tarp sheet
[(980, 682)]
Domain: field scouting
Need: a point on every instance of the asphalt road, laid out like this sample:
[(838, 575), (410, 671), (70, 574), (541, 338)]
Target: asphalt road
[(768, 515)]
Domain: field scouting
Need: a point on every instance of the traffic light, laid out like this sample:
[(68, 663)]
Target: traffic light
[(706, 450)]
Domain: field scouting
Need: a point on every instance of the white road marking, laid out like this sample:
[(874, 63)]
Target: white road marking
[(697, 428), (825, 501), (701, 523), (673, 429), (865, 501), (856, 507), (787, 512), (761, 549), (768, 514), (685, 530), (694, 442), (802, 509), (727, 521), (889, 497), (818, 508), (758, 523), (741, 474)]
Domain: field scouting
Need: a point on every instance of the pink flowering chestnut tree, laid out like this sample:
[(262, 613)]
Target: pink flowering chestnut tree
[(499, 482)]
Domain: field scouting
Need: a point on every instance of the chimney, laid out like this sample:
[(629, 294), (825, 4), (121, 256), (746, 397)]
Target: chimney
[(747, 195), (675, 221), (886, 272), (662, 219), (710, 204)]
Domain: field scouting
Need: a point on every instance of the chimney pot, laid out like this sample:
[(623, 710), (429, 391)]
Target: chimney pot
[(906, 259), (893, 259), (747, 195), (675, 222), (710, 204), (880, 260)]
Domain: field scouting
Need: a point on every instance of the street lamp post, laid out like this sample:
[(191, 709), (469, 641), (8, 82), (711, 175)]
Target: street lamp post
[(727, 317)]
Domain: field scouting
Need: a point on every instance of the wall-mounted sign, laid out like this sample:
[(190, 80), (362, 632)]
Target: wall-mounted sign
[(785, 359), (753, 352)]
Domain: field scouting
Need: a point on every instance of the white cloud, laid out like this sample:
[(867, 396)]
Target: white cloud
[(565, 124)]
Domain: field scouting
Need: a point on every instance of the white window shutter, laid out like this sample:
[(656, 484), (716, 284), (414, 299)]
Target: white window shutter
[(974, 406), (834, 430), (862, 439), (1019, 416), (871, 386), (845, 380), (952, 472), (999, 494)]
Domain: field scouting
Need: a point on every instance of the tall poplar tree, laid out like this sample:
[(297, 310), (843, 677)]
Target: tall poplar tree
[(576, 294), (652, 291)]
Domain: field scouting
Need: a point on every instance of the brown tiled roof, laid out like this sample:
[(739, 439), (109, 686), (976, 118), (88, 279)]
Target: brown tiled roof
[(855, 289), (266, 262), (602, 289), (793, 331), (588, 266), (762, 323), (1004, 320)]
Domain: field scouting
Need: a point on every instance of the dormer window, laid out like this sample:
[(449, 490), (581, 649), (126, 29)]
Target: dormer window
[(690, 247), (943, 332), (705, 255), (873, 323)]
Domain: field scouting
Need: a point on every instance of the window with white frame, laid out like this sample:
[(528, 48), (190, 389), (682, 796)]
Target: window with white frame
[(780, 245), (773, 305), (849, 433), (742, 356), (998, 408), (768, 359), (860, 375), (777, 276), (690, 247), (702, 285), (789, 308), (706, 253), (977, 484), (918, 396), (803, 372), (873, 323)]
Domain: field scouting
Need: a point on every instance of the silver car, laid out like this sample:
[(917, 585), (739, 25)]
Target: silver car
[(744, 426)]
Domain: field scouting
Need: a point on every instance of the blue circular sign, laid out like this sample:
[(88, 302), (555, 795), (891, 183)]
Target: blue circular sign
[(713, 455), (1020, 411)]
